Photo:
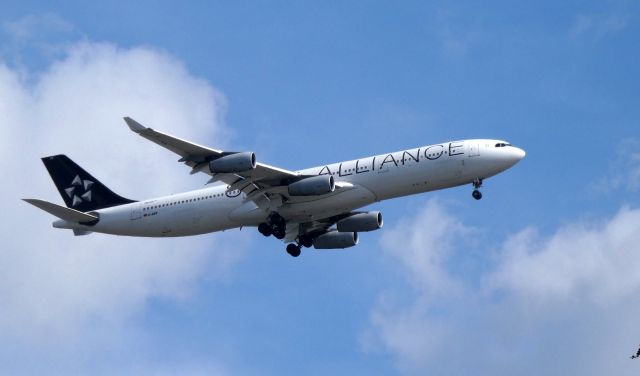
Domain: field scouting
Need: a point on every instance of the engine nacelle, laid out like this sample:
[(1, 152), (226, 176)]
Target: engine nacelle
[(236, 162), (335, 240), (361, 222), (313, 186)]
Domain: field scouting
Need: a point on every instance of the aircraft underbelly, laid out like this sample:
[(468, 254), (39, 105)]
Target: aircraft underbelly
[(195, 221), (192, 220)]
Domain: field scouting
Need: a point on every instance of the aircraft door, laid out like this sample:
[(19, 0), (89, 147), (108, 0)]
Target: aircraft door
[(474, 149)]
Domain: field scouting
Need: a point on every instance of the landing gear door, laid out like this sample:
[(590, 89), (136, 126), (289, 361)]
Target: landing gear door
[(136, 211), (474, 149)]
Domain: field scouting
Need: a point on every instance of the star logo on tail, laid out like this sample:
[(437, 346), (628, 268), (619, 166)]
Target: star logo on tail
[(79, 191)]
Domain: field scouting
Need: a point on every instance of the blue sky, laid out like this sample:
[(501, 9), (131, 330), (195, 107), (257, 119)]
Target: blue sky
[(541, 276)]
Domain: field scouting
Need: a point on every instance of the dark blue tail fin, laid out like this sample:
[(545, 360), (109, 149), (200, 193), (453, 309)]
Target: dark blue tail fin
[(78, 188)]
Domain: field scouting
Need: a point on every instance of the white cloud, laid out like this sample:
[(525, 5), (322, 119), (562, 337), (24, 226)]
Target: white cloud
[(624, 171), (427, 242), (61, 294), (34, 38), (597, 263), (598, 26), (557, 304), (581, 24), (455, 32), (33, 25)]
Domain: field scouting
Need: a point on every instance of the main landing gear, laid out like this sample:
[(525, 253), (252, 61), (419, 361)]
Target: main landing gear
[(294, 249), (477, 183), (275, 226), (303, 241)]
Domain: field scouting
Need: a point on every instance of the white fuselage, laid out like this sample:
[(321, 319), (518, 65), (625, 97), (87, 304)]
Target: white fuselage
[(364, 181)]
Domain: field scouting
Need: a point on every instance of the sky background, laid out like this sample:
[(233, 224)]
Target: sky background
[(542, 276)]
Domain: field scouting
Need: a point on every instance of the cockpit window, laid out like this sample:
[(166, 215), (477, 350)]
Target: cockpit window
[(502, 144)]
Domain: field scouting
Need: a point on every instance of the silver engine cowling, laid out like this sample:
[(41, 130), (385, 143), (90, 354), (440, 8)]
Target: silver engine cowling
[(313, 186), (236, 162), (335, 240), (361, 222)]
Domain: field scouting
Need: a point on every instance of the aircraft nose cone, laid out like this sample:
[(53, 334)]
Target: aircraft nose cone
[(519, 154)]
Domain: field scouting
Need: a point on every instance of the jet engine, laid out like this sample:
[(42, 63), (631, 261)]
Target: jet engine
[(236, 162), (335, 240), (313, 186), (361, 222)]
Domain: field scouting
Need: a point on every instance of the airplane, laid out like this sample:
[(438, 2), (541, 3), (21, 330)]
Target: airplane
[(317, 207)]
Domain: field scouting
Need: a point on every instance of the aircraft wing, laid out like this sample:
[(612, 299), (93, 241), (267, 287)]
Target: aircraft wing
[(263, 180)]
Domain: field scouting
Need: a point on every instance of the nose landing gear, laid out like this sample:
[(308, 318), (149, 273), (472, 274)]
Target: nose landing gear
[(477, 183)]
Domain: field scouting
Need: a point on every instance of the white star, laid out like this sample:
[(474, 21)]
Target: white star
[(77, 180), (76, 200)]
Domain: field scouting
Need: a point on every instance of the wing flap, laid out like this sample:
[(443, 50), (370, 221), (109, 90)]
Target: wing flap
[(61, 212)]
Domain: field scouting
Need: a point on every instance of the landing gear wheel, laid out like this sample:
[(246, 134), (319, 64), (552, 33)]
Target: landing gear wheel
[(477, 183), (279, 233), (293, 250), (305, 241), (276, 219), (277, 225), (265, 229)]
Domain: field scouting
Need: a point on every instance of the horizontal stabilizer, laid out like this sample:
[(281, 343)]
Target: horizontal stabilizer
[(61, 212)]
